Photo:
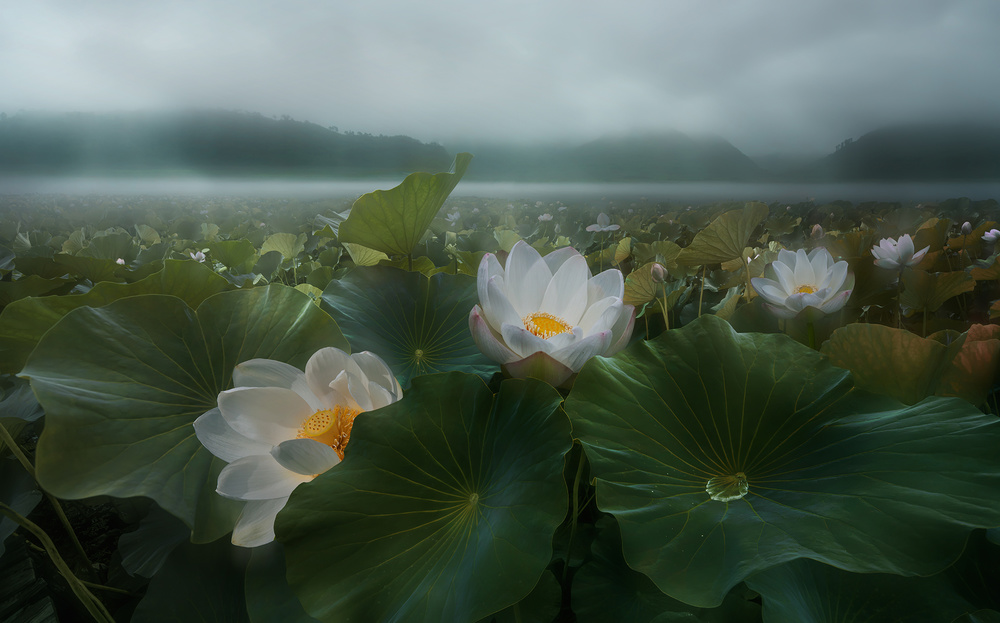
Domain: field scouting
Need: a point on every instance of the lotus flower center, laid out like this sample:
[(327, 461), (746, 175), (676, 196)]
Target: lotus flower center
[(805, 290), (330, 426), (546, 325)]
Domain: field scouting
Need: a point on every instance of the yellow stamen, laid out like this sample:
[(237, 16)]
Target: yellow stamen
[(546, 325), (330, 426), (805, 290)]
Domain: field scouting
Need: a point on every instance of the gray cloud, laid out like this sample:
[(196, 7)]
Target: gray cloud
[(767, 75)]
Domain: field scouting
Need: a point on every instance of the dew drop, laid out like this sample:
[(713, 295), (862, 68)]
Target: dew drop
[(727, 487)]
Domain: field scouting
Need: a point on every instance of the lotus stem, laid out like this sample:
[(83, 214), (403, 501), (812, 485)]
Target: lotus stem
[(811, 333), (746, 263), (6, 437), (89, 601), (576, 512), (701, 294), (663, 306)]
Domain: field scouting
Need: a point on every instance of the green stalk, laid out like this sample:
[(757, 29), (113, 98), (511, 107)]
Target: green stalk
[(663, 306), (28, 467), (576, 512), (811, 332), (89, 601), (701, 294)]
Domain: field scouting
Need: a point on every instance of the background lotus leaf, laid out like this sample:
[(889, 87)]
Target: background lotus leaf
[(121, 385), (24, 322), (923, 291), (723, 454), (725, 237), (418, 325), (442, 510), (393, 221)]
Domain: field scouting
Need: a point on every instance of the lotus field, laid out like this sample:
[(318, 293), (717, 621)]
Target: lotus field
[(423, 408)]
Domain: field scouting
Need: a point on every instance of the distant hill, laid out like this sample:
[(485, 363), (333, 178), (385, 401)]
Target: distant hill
[(932, 152), (221, 142), (663, 156)]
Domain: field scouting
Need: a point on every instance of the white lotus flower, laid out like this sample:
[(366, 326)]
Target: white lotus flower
[(120, 261), (545, 217), (897, 254), (991, 236), (800, 281), (280, 427), (602, 224), (198, 256), (545, 317)]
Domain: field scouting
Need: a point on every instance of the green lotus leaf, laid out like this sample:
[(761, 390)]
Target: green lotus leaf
[(122, 384), (725, 237), (144, 550), (442, 510), (93, 268), (724, 454), (111, 247), (30, 285), (805, 590), (606, 589), (147, 234), (288, 245), (233, 253), (542, 605), (986, 274), (418, 325), (363, 256), (393, 221), (923, 291), (24, 322), (890, 361), (202, 583), (18, 491)]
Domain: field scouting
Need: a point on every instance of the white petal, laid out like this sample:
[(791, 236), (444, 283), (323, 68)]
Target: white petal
[(835, 303), (487, 340), (256, 523), (566, 295), (556, 258), (786, 277), (377, 371), (270, 373), (622, 331), (609, 283), (268, 414), (323, 367), (834, 278), (258, 477), (563, 340), (804, 273), (223, 441), (526, 278), (501, 310), (305, 456), (349, 391), (594, 313), (888, 263), (918, 256), (905, 248), (607, 318), (381, 397), (770, 290), (489, 267), (522, 341), (576, 355)]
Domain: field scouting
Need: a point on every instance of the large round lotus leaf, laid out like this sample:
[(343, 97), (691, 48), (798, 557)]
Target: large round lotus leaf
[(725, 238), (121, 385), (723, 454), (442, 510), (417, 325), (393, 221), (24, 322), (805, 591)]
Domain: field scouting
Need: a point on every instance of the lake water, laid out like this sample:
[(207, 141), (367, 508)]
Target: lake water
[(678, 192)]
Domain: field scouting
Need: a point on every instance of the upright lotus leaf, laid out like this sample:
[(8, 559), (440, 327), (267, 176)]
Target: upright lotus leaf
[(393, 221), (363, 256), (30, 285), (887, 360), (111, 247), (93, 268), (724, 454), (725, 237), (442, 510), (805, 590), (269, 599), (418, 325), (122, 384), (232, 253), (923, 291), (288, 245), (986, 274), (24, 322), (974, 369)]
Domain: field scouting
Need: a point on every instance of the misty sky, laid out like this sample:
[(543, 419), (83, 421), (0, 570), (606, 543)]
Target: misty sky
[(768, 75)]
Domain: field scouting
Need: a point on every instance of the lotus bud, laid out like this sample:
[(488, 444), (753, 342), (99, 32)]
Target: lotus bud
[(817, 231), (658, 273), (966, 228)]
